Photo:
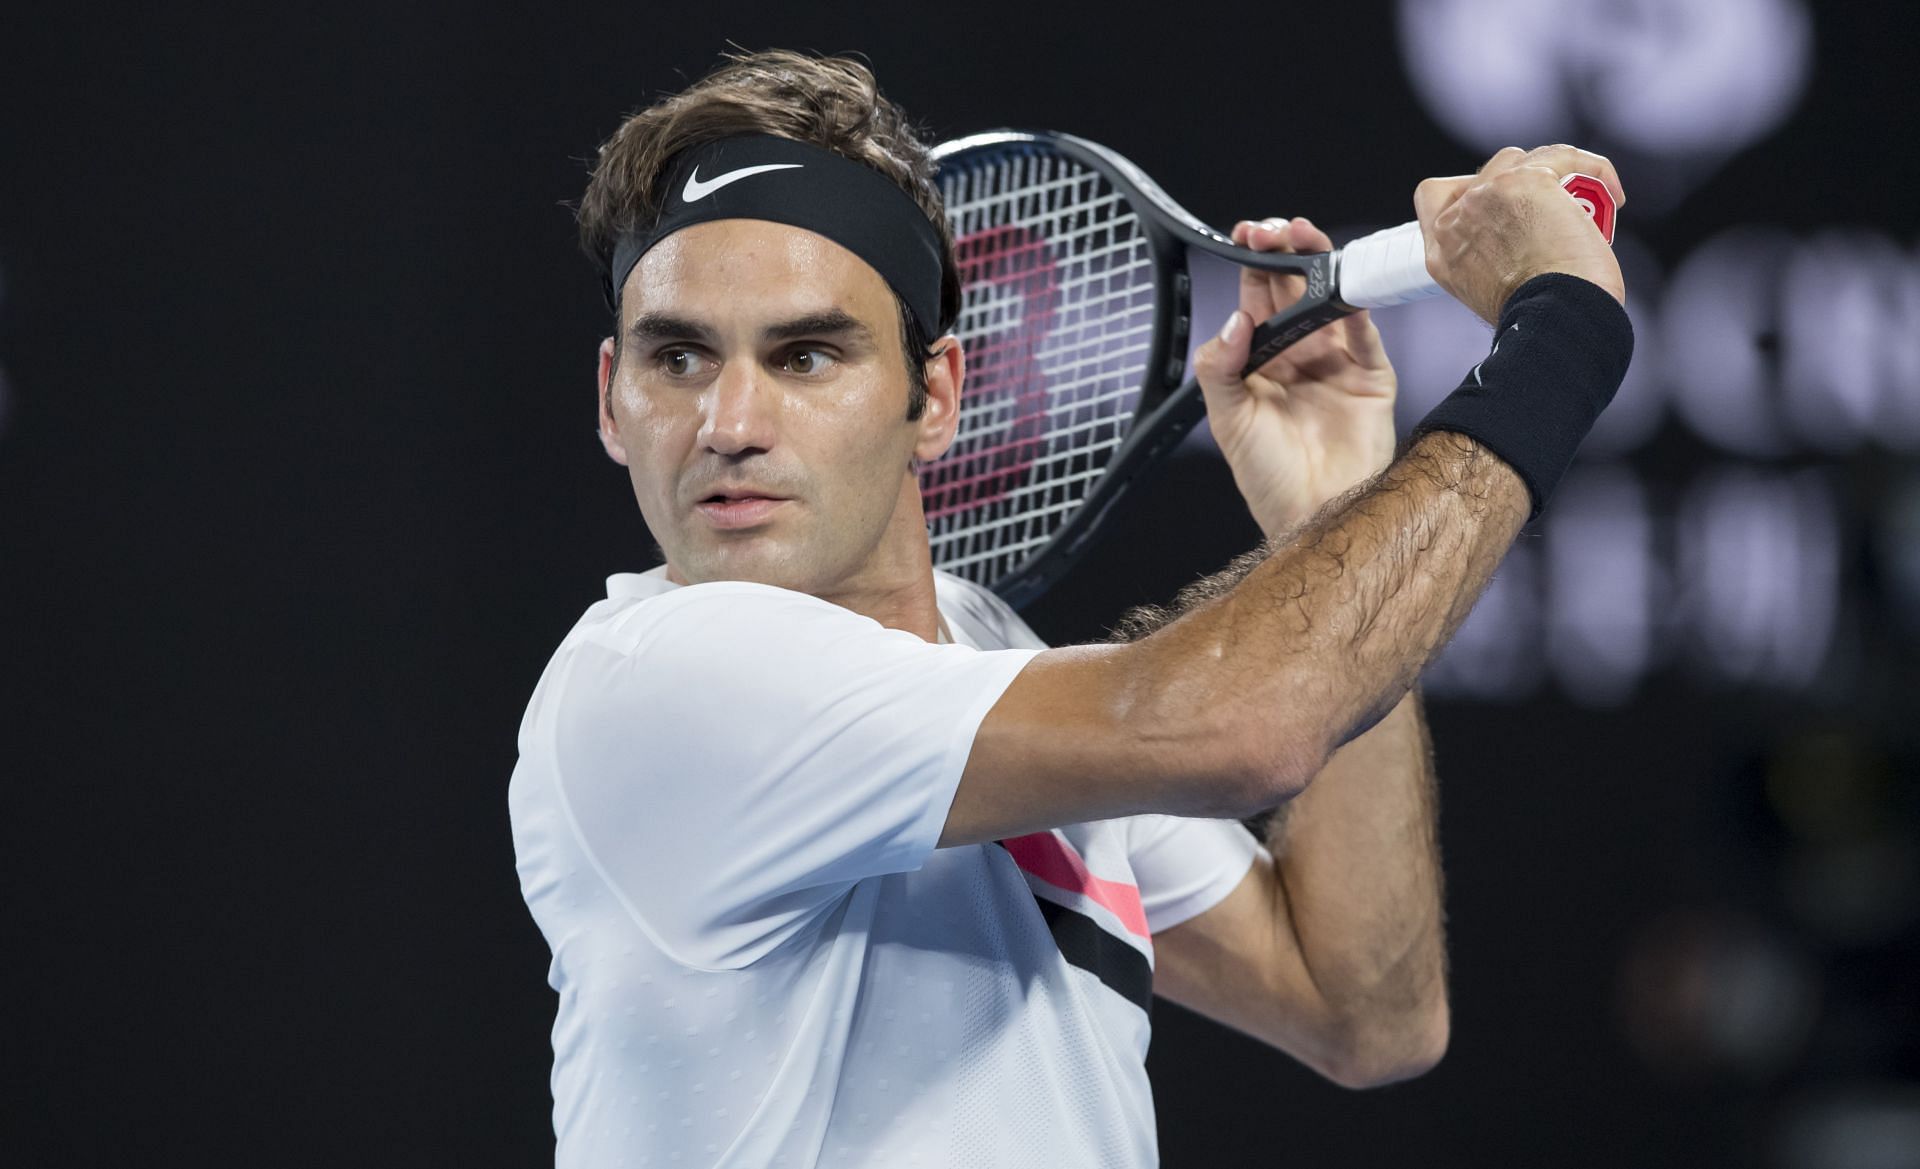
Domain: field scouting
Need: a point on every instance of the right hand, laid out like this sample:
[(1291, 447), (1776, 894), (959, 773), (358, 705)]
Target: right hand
[(1491, 232)]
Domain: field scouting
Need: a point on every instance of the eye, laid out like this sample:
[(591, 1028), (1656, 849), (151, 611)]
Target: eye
[(808, 361), (679, 362)]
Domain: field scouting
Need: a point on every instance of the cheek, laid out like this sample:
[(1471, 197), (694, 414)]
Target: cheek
[(867, 438), (656, 424), (656, 441)]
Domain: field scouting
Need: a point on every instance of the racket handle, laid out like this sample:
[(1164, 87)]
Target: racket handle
[(1386, 268), (1390, 267)]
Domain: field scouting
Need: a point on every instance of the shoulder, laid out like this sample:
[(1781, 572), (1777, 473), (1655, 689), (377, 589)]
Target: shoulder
[(719, 613)]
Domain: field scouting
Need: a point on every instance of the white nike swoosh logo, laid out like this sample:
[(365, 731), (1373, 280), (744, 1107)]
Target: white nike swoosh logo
[(696, 189), (1513, 328)]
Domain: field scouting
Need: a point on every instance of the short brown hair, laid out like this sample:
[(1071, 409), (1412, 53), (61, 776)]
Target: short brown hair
[(830, 102)]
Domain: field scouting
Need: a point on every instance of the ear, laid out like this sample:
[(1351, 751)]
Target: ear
[(941, 417), (609, 430)]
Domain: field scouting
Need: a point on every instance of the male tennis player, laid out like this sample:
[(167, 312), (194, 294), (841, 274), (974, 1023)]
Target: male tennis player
[(839, 865)]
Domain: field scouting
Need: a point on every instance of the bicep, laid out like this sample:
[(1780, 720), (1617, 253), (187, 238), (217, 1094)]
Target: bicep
[(1082, 734)]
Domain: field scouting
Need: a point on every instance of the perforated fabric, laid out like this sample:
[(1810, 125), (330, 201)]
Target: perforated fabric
[(922, 1014)]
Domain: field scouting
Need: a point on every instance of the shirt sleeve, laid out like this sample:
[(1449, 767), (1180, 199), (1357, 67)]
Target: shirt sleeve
[(734, 757), (1186, 866)]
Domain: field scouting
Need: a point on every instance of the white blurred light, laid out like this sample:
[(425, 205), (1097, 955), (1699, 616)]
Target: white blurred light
[(1749, 593), (1773, 345), (1638, 409), (1603, 587), (1668, 77), (1679, 76), (1717, 325), (1432, 344), (1759, 556), (1851, 352), (1495, 655)]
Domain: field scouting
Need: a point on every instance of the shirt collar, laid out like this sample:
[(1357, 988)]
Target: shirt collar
[(638, 586)]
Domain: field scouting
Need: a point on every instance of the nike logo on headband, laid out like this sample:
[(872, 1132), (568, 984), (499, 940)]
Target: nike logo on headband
[(696, 190)]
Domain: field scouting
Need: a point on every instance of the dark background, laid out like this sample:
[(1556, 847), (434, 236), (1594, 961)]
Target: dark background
[(299, 489)]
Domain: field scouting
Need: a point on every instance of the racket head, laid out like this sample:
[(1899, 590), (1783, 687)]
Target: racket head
[(1074, 322)]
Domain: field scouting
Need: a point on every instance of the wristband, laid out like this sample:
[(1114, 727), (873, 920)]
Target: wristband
[(1559, 353)]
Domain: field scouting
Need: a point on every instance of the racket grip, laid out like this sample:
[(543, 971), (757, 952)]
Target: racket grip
[(1390, 267), (1386, 268)]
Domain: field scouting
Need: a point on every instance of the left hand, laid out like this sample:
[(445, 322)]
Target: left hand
[(1314, 421)]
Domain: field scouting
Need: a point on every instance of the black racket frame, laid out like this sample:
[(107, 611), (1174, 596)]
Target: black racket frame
[(1170, 404)]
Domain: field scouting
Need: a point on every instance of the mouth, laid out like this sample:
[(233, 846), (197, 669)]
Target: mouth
[(738, 508), (740, 495)]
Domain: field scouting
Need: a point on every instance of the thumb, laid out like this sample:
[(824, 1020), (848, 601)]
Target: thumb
[(1217, 364)]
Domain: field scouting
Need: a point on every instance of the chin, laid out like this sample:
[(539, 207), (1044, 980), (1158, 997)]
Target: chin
[(759, 560)]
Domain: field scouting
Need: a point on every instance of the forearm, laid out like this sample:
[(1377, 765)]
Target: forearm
[(1330, 630), (1359, 868)]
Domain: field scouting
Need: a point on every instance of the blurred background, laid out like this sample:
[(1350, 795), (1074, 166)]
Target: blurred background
[(300, 490)]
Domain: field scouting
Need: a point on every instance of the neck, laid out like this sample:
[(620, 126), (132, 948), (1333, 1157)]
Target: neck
[(896, 586)]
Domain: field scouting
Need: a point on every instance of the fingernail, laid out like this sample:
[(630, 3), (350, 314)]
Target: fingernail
[(1274, 224), (1236, 324)]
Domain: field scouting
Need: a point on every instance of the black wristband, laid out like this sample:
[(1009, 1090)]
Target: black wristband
[(1559, 353)]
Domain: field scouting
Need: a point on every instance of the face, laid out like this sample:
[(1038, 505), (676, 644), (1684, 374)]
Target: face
[(759, 402)]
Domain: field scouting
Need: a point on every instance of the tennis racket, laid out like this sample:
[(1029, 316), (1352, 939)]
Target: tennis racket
[(1075, 316)]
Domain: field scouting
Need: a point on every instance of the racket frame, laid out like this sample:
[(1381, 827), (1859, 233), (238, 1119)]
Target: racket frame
[(1170, 404)]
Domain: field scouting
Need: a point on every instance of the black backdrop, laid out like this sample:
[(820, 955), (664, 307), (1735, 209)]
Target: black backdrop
[(298, 490)]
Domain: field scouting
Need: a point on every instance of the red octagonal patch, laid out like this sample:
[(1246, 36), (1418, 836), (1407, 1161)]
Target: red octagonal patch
[(1592, 194)]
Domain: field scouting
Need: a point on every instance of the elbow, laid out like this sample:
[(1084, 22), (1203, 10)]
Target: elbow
[(1245, 754), (1270, 772), (1373, 1057)]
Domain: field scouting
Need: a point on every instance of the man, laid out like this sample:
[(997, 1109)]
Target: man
[(838, 864)]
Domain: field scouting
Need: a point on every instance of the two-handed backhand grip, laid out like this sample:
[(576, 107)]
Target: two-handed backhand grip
[(1386, 268), (1390, 267)]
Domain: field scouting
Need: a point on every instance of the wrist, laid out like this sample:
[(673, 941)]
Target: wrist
[(1560, 350), (1280, 513)]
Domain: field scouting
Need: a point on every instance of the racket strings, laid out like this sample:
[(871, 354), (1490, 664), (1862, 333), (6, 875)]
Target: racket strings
[(1057, 324)]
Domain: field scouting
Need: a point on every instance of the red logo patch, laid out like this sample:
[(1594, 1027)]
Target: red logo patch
[(1594, 198)]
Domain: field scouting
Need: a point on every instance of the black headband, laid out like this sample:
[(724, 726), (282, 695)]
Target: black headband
[(783, 181)]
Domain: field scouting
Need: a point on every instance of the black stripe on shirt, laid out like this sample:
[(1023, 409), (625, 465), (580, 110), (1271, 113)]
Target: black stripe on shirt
[(1083, 943)]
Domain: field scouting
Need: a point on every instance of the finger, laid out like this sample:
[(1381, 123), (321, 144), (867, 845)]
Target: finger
[(1281, 288), (1434, 196), (1566, 160), (1363, 341), (1269, 235), (1217, 364), (1504, 159), (1264, 293), (1305, 236)]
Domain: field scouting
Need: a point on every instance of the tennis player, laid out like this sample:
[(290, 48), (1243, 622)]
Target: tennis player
[(838, 863)]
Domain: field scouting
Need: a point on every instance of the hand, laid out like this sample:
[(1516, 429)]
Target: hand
[(1314, 421), (1491, 232)]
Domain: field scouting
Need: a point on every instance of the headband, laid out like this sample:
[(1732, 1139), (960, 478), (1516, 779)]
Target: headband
[(783, 181)]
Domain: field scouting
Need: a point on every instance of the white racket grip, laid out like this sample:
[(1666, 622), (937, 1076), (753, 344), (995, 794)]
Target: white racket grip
[(1386, 268)]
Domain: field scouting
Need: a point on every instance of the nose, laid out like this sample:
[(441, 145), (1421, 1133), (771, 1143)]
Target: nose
[(740, 412)]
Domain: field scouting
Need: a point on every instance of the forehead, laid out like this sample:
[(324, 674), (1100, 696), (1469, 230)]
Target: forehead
[(735, 266)]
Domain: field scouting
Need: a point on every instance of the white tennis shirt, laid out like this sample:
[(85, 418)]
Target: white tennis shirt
[(724, 817)]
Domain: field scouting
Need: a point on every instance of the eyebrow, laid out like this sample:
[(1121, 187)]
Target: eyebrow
[(830, 323), (662, 327)]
